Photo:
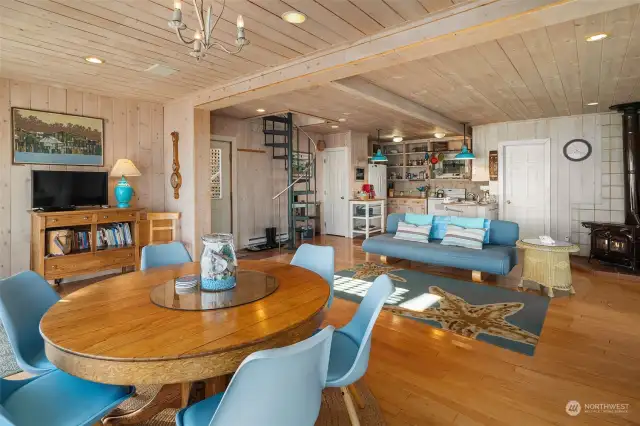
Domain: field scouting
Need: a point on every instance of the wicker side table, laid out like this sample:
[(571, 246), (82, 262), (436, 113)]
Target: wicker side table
[(547, 265)]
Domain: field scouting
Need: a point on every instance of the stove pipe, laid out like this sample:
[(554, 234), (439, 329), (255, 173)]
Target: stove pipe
[(631, 157)]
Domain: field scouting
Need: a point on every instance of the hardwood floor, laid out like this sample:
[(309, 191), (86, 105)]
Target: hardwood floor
[(589, 351)]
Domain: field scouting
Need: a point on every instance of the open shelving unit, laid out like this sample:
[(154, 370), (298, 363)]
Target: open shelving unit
[(87, 260), (366, 217), (400, 162)]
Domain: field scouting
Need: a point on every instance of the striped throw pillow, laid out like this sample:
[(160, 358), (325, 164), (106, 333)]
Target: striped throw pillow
[(464, 237), (410, 232)]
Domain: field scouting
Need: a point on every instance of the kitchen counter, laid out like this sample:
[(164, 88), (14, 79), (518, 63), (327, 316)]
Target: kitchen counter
[(407, 197), (466, 203)]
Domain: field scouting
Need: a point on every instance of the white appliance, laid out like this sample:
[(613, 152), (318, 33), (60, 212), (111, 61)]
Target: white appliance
[(436, 205), (378, 178)]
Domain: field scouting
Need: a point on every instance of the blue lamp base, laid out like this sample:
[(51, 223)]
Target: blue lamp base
[(123, 192)]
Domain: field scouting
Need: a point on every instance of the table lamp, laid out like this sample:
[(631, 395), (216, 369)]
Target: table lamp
[(123, 190)]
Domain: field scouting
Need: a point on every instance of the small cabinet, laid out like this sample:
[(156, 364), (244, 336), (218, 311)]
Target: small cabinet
[(489, 211), (407, 205)]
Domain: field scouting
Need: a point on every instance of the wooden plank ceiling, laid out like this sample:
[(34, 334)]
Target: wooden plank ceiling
[(46, 40), (332, 105), (549, 72)]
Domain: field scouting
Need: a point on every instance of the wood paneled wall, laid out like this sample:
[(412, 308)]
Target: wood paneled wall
[(580, 191), (133, 129), (358, 148)]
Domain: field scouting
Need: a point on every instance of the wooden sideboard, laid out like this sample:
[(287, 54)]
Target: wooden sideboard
[(87, 261)]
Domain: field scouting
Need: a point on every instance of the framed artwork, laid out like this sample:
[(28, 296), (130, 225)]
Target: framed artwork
[(41, 137), (360, 174), (493, 165)]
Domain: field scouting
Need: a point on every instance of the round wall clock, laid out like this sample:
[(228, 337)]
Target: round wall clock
[(577, 150)]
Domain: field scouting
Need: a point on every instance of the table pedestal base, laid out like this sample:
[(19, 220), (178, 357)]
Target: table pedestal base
[(168, 397)]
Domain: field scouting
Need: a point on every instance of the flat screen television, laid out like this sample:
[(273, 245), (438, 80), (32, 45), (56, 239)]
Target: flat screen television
[(61, 190)]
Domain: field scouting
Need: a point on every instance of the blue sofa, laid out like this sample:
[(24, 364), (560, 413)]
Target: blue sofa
[(498, 255)]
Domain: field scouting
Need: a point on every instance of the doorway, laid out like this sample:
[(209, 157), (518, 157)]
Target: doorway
[(524, 182), (336, 182), (221, 186)]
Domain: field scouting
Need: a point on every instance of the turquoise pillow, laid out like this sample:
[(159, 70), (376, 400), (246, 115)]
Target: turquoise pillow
[(473, 223), (468, 222), (418, 219)]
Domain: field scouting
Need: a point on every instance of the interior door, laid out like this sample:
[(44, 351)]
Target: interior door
[(524, 198), (220, 168), (336, 191)]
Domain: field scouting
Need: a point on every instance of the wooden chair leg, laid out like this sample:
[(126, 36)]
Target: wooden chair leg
[(389, 260), (356, 395), (185, 392), (351, 409), (477, 276)]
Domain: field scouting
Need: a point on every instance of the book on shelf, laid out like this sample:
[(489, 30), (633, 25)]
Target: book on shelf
[(82, 240), (114, 235)]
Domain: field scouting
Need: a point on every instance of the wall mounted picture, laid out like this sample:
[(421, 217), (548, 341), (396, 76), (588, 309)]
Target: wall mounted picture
[(360, 174), (41, 137), (493, 165)]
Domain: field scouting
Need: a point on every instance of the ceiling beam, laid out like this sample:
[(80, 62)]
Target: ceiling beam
[(363, 88), (463, 25)]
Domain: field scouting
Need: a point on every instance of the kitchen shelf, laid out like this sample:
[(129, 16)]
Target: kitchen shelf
[(363, 231), (364, 217)]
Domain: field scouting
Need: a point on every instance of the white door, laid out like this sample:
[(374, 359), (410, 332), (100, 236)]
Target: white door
[(221, 219), (336, 191), (526, 187)]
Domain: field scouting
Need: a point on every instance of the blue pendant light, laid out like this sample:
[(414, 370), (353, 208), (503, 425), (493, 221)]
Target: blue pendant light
[(379, 157), (465, 154)]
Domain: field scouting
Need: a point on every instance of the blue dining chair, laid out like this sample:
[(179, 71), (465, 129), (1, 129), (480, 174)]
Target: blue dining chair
[(351, 344), (57, 399), (157, 255), (319, 259), (24, 299), (275, 387)]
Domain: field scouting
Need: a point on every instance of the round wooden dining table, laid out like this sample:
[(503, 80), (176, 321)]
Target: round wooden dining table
[(111, 332)]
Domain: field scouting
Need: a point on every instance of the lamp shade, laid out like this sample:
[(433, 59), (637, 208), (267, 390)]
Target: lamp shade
[(465, 154), (125, 167), (379, 157)]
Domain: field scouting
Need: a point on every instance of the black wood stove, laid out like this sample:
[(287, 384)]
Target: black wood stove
[(619, 243)]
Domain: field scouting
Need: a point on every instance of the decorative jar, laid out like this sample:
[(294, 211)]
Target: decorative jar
[(218, 263)]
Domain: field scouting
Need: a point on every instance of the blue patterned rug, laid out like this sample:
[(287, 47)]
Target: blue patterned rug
[(509, 319)]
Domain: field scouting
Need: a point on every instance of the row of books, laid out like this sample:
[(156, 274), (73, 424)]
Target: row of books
[(114, 235), (82, 240)]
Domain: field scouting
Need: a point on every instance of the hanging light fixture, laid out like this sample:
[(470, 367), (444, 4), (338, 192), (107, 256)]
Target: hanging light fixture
[(202, 39), (465, 154), (379, 157)]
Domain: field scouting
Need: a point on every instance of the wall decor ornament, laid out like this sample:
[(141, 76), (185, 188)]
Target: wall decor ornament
[(176, 177), (577, 150), (42, 137), (493, 165)]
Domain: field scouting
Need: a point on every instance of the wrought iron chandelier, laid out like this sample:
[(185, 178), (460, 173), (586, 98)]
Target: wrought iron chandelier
[(202, 39)]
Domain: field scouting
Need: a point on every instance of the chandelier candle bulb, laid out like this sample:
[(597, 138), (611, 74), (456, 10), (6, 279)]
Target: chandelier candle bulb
[(240, 22), (177, 4)]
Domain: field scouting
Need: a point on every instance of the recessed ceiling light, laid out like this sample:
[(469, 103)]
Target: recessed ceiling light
[(94, 60), (439, 135), (346, 113), (398, 77), (261, 110), (597, 37), (342, 120), (294, 17), (335, 126), (397, 138), (592, 103)]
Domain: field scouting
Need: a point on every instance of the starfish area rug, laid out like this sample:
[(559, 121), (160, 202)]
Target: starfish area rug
[(509, 319)]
